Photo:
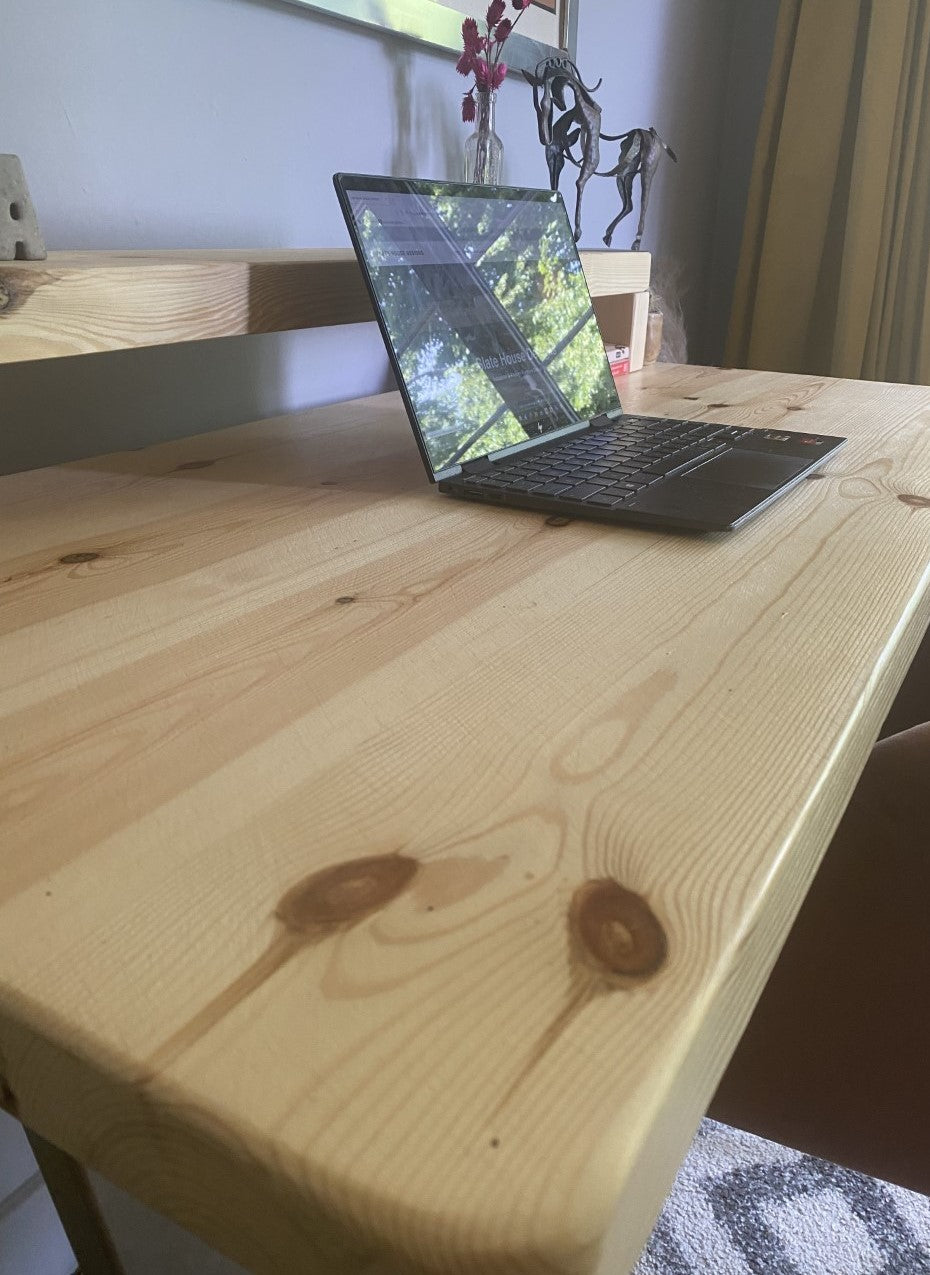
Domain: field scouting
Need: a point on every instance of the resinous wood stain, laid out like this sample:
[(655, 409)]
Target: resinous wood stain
[(324, 903), (615, 941), (385, 880)]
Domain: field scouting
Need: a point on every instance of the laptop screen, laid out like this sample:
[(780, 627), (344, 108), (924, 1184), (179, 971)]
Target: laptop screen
[(484, 301)]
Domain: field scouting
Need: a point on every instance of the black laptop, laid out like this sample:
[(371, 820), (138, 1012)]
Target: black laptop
[(490, 328)]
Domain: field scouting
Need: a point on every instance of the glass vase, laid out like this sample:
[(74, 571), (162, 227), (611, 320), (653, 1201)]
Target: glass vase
[(484, 150)]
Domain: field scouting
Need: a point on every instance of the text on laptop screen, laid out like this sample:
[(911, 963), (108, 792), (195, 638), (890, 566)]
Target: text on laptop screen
[(488, 312)]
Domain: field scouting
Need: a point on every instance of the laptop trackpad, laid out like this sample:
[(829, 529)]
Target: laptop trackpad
[(750, 469)]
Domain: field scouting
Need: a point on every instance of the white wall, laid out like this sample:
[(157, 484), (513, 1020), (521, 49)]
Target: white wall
[(172, 123)]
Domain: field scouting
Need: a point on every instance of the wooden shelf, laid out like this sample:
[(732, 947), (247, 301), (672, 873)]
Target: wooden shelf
[(88, 302)]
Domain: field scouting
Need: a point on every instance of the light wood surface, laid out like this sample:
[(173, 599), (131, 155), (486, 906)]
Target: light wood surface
[(85, 302), (384, 880)]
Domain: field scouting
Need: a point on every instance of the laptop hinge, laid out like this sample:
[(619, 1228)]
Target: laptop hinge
[(483, 463), (479, 466)]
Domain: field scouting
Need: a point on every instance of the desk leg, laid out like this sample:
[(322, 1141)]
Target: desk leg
[(836, 1058), (77, 1209), (912, 702)]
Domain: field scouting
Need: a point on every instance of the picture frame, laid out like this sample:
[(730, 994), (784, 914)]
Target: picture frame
[(551, 24)]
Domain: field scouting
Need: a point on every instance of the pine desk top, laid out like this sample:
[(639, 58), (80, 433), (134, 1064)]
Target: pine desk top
[(386, 880)]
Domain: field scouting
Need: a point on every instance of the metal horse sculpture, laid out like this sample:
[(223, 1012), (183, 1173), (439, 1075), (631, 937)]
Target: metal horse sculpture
[(640, 148)]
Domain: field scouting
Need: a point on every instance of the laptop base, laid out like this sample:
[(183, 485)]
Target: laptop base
[(651, 471)]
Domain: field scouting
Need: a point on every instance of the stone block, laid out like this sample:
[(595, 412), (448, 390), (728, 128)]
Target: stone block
[(20, 239)]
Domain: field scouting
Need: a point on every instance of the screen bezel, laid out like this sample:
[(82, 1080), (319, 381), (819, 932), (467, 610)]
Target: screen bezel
[(345, 183)]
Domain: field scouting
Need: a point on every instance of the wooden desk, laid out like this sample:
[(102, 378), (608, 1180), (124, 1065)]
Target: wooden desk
[(385, 881)]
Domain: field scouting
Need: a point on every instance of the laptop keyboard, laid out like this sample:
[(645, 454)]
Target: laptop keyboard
[(604, 466)]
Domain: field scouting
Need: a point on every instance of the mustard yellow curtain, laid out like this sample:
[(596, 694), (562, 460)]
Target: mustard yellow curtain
[(835, 261)]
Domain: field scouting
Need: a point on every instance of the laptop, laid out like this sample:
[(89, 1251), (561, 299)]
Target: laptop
[(490, 328)]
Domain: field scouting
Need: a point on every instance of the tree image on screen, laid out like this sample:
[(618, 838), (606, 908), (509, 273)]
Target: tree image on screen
[(489, 315)]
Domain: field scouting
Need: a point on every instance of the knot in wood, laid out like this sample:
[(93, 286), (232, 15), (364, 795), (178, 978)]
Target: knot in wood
[(616, 931), (345, 892)]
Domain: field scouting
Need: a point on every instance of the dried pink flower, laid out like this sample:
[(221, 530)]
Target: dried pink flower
[(480, 54), (471, 38)]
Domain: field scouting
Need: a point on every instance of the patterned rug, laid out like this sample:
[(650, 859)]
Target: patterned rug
[(743, 1206)]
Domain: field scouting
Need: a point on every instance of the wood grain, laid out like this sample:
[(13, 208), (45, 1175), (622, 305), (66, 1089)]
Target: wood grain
[(85, 302), (623, 319), (385, 881)]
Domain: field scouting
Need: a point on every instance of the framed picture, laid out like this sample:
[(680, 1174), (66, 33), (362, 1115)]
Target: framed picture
[(546, 29)]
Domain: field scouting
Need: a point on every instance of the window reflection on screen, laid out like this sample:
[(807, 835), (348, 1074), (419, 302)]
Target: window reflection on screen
[(488, 312)]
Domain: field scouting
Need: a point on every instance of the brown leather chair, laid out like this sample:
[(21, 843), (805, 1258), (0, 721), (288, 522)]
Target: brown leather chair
[(836, 1059)]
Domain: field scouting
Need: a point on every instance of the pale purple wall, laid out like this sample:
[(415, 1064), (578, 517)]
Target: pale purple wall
[(163, 123)]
